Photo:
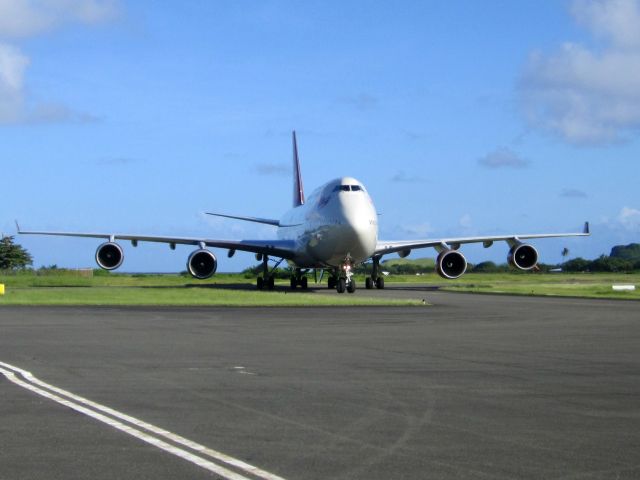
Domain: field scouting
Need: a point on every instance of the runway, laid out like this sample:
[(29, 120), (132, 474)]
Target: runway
[(474, 386)]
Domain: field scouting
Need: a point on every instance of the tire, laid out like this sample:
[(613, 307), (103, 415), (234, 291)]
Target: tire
[(341, 285), (270, 283), (331, 283), (368, 283), (260, 283), (351, 288), (304, 283), (294, 283), (380, 283)]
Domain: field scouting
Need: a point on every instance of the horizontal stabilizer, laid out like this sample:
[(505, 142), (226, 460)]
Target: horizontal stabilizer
[(267, 221)]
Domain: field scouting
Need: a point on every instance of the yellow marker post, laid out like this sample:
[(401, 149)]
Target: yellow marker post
[(1, 288)]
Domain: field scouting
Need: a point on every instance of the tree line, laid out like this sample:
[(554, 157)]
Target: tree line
[(622, 258)]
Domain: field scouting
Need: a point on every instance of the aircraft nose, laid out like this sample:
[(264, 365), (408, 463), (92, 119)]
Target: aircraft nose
[(360, 225)]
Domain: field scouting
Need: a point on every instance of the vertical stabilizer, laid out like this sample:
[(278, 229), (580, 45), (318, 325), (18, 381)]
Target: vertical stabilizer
[(298, 190)]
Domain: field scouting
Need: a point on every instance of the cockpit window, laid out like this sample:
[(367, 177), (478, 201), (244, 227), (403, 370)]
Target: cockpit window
[(347, 188)]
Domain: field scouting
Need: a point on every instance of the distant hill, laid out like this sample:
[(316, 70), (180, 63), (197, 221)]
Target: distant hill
[(626, 252)]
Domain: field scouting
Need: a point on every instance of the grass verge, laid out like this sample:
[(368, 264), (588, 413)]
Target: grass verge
[(64, 288), (587, 285), (71, 288)]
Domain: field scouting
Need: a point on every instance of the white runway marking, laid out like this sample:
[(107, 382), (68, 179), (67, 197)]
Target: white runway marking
[(92, 409)]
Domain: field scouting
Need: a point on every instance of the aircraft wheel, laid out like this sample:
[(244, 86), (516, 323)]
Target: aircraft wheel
[(341, 285), (294, 283), (351, 288), (331, 282), (380, 283), (304, 283), (260, 283), (368, 283), (270, 283)]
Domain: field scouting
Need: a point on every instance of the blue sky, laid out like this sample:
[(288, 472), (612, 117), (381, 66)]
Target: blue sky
[(461, 118)]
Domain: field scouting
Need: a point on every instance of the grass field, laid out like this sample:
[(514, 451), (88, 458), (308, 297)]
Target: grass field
[(71, 288), (591, 285)]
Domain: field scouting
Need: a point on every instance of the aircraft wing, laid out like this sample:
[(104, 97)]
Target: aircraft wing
[(278, 248), (383, 248)]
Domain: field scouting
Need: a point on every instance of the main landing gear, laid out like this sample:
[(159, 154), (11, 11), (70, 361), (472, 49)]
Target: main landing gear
[(300, 279), (266, 280), (375, 278)]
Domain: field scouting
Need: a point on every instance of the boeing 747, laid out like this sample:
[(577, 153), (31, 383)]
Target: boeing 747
[(334, 229)]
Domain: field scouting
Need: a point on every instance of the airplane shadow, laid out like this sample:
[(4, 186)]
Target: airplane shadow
[(249, 287), (285, 288)]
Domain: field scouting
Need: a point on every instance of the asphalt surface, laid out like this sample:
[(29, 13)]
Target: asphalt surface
[(474, 386)]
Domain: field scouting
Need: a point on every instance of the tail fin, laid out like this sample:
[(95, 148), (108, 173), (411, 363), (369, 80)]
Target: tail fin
[(298, 190)]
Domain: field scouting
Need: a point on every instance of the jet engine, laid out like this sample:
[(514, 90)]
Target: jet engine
[(450, 264), (202, 264), (523, 256), (109, 256)]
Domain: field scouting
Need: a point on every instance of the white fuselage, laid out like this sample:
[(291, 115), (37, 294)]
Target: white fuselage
[(337, 224)]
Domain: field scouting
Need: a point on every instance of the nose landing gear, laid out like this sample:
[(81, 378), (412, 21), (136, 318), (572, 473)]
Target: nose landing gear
[(345, 281)]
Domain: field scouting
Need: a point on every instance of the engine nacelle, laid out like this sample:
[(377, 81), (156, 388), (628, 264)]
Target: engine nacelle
[(109, 256), (202, 264), (523, 256), (450, 264)]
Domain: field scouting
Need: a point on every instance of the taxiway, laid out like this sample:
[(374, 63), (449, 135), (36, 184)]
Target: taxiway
[(474, 386)]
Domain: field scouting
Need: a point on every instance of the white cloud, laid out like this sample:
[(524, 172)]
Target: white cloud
[(12, 67), (277, 169), (24, 18), (583, 95), (629, 218), (614, 20), (465, 221), (402, 177), (362, 101), (503, 158), (573, 193), (420, 229)]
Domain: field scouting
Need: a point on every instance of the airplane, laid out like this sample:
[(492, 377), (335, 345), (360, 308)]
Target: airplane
[(334, 229)]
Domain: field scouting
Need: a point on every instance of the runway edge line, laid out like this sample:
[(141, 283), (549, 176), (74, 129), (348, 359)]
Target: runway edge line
[(88, 408)]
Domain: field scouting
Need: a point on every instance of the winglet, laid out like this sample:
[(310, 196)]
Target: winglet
[(586, 229), (18, 226), (298, 190)]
